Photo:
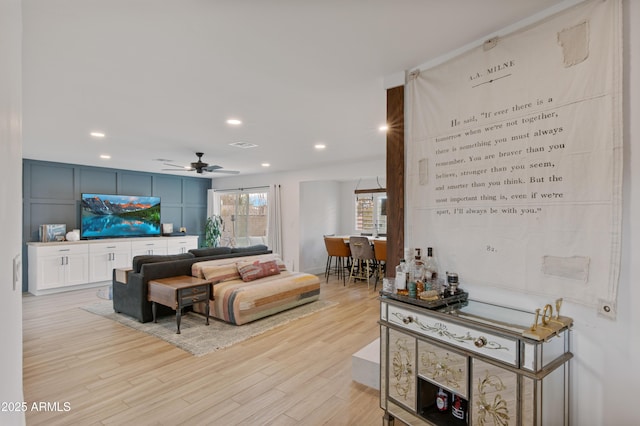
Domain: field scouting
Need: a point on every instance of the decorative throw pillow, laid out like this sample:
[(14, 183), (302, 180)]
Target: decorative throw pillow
[(218, 274), (281, 265), (250, 271)]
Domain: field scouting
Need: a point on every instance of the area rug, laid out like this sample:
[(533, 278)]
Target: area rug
[(199, 339)]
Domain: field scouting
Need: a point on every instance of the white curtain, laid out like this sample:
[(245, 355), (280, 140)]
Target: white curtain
[(211, 205), (275, 220)]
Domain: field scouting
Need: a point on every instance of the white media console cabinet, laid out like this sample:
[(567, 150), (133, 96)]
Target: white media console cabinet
[(68, 265)]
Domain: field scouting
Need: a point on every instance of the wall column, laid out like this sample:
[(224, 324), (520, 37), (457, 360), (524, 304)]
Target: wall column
[(395, 178)]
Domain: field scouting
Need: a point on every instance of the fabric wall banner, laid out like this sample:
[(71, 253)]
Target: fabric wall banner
[(514, 158)]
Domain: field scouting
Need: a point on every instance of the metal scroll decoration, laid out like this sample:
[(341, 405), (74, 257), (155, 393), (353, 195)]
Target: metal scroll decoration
[(496, 412), (441, 330), (439, 369), (402, 368)]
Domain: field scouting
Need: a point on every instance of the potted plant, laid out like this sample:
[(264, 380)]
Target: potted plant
[(213, 231)]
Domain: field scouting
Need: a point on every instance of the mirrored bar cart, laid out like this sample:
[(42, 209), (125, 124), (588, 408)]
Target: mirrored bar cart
[(473, 363)]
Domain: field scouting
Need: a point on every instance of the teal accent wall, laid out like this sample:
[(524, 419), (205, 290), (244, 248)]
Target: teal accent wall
[(51, 194)]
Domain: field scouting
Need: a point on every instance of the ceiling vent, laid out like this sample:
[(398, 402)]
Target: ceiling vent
[(243, 145)]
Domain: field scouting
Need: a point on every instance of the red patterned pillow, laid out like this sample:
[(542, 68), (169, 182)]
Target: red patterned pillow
[(250, 271)]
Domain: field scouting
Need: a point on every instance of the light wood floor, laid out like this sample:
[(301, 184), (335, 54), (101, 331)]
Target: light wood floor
[(297, 374)]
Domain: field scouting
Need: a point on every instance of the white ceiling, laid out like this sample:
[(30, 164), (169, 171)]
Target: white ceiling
[(161, 77)]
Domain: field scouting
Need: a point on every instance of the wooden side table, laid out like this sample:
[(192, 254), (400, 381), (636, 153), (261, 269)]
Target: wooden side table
[(122, 274), (179, 292)]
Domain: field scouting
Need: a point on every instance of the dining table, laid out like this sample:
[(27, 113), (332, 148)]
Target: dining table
[(371, 238)]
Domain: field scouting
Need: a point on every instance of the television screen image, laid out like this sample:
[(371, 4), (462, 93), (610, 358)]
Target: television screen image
[(114, 216)]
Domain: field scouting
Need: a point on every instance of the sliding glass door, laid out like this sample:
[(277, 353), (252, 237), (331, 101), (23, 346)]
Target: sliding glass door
[(245, 217)]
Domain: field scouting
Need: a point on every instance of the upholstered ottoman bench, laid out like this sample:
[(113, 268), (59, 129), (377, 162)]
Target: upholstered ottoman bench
[(254, 287)]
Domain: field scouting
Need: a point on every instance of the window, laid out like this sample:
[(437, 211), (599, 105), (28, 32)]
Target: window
[(371, 213), (245, 217)]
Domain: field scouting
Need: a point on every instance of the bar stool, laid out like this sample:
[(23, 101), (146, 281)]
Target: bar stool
[(338, 249), (380, 251), (363, 256)]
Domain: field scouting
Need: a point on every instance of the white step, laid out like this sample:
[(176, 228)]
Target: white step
[(365, 365)]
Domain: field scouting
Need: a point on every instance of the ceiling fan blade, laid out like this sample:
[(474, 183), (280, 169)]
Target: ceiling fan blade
[(181, 169), (228, 172), (178, 166), (211, 167)]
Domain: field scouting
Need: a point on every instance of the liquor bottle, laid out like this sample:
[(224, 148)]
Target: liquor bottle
[(442, 400), (430, 266), (401, 279), (458, 408), (416, 267)]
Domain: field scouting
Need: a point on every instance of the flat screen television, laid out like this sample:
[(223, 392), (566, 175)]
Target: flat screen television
[(116, 216)]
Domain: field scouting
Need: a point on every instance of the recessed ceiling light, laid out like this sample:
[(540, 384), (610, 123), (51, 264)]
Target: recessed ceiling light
[(383, 128), (234, 122), (319, 146), (97, 134), (105, 156), (266, 165)]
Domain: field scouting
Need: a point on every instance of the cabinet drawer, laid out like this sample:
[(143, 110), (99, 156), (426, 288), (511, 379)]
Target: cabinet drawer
[(97, 248), (63, 249), (182, 244), (149, 247), (178, 247), (467, 338), (193, 295), (146, 244)]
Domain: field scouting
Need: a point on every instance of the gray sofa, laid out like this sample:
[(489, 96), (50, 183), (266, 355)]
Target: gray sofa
[(130, 297)]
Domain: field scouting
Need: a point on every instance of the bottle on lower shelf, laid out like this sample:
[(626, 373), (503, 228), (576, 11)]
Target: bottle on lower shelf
[(442, 400), (459, 408)]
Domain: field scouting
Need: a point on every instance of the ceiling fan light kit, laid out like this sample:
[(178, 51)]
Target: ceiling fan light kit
[(201, 167)]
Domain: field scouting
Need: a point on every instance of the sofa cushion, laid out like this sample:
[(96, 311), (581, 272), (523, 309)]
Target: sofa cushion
[(138, 261), (220, 273), (197, 266), (250, 271), (249, 249), (210, 251), (239, 302)]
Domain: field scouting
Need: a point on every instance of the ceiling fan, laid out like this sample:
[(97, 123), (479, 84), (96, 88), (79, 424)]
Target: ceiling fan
[(200, 167)]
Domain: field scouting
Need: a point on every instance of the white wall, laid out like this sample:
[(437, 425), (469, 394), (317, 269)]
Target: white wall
[(346, 215), (327, 207), (319, 213), (605, 372), (11, 208), (292, 183)]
